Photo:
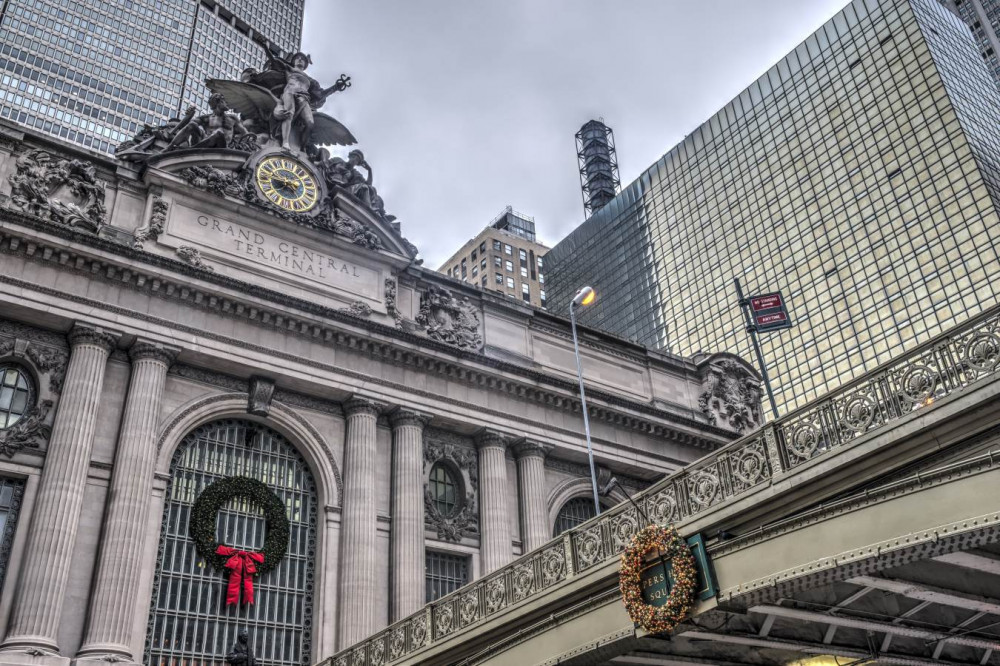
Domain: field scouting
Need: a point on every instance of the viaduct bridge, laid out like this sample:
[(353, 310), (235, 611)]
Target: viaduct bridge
[(862, 528)]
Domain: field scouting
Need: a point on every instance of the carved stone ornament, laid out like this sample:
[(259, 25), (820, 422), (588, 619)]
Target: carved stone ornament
[(390, 302), (66, 191), (49, 360), (358, 309), (216, 180), (443, 447), (154, 227), (29, 430), (192, 255), (446, 319), (731, 394), (259, 396), (355, 231)]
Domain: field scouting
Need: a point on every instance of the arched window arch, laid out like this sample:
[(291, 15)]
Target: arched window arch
[(445, 488), (17, 393), (189, 621), (574, 512)]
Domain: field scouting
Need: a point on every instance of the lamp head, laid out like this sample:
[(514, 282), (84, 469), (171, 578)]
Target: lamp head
[(585, 296)]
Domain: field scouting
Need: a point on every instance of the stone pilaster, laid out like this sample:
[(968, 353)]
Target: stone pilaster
[(358, 553), (531, 489), (113, 605), (495, 548), (407, 562), (48, 558)]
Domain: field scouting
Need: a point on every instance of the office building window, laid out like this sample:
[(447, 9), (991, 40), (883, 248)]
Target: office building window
[(524, 272), (510, 283), (541, 298), (498, 262), (525, 292), (482, 264), (444, 573), (539, 260), (496, 245), (482, 248), (507, 249), (522, 255), (541, 278), (484, 280), (499, 278), (509, 265), (475, 271), (474, 255)]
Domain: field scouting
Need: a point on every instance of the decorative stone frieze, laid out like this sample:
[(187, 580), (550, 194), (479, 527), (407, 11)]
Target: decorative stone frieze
[(444, 318), (49, 360), (154, 226), (66, 191), (192, 255), (259, 396), (731, 394), (358, 309)]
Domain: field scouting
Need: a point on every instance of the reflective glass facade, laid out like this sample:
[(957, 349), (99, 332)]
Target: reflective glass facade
[(93, 72), (859, 176), (983, 18)]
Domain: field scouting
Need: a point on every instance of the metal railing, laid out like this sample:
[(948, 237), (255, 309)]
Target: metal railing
[(938, 368)]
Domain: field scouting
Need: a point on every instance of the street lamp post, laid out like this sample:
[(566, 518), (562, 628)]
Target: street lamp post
[(584, 297)]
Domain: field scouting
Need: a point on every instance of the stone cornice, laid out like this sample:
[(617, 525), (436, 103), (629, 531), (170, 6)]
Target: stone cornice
[(317, 322), (85, 334)]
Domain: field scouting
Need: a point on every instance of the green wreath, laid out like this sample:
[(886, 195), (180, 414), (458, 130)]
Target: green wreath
[(214, 497)]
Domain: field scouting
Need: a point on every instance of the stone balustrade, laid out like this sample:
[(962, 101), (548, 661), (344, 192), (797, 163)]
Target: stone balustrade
[(916, 380)]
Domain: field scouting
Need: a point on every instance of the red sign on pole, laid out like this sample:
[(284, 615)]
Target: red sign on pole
[(769, 312)]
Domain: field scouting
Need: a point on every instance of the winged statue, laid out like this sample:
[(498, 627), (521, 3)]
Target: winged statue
[(267, 113)]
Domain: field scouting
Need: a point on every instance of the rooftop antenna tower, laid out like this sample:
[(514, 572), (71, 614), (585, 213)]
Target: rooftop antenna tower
[(595, 150)]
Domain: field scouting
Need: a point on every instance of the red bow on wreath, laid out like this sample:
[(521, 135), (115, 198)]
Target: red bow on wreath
[(243, 565)]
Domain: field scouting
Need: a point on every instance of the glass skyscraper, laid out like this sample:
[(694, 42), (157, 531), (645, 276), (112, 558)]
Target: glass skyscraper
[(859, 175), (93, 72), (983, 18)]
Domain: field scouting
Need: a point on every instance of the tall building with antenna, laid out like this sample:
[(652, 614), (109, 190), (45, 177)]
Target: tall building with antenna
[(595, 151), (93, 73)]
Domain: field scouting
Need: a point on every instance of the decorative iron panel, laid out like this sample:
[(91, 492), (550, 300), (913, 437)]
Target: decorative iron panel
[(189, 622)]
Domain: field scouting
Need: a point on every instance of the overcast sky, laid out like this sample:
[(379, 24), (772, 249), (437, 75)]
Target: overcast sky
[(465, 106)]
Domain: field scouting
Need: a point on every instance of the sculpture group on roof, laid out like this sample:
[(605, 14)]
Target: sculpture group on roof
[(278, 108)]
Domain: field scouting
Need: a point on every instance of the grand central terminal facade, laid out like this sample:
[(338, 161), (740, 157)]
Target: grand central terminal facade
[(225, 377)]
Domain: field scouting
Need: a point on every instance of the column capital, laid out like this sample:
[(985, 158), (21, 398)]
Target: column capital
[(84, 334), (488, 437), (524, 448), (359, 404), (409, 417), (146, 349)]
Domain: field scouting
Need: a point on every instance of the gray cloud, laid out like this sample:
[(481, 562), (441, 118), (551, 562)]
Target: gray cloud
[(465, 106)]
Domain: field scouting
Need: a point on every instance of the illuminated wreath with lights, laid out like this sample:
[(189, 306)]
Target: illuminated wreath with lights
[(658, 619), (215, 496)]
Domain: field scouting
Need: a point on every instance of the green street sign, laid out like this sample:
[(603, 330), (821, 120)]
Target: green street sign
[(656, 582)]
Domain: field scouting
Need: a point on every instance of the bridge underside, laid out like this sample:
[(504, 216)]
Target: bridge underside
[(914, 578)]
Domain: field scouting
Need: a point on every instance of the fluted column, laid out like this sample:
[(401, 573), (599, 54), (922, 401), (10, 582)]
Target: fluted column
[(531, 489), (407, 563), (495, 549), (358, 554), (113, 605), (56, 517)]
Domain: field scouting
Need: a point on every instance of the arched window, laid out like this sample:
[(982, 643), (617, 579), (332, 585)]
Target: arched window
[(189, 621), (575, 511), (17, 394), (444, 490)]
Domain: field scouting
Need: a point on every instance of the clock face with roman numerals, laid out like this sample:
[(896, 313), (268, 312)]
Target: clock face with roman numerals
[(287, 184)]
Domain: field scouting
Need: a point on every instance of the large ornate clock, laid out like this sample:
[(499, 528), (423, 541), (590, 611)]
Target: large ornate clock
[(287, 183)]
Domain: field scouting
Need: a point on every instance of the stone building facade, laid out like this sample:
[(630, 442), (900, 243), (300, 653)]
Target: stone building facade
[(178, 353)]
